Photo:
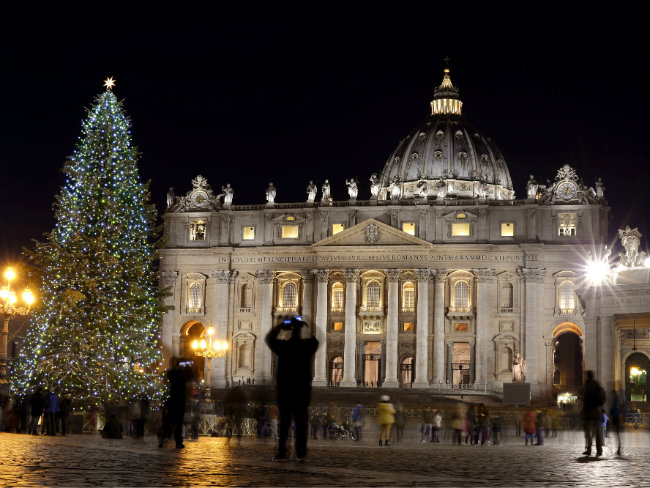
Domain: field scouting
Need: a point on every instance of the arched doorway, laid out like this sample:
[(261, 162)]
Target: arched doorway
[(190, 332), (637, 366), (336, 371), (568, 360), (407, 373)]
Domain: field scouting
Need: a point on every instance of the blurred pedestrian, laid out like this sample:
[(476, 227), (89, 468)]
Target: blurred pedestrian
[(400, 421), (482, 420), (51, 410), (437, 424), (539, 428), (64, 413), (530, 425), (386, 418), (112, 428), (357, 420), (294, 377), (603, 424), (615, 417), (315, 422), (178, 376), (274, 416), (457, 424), (593, 397), (427, 425), (496, 430)]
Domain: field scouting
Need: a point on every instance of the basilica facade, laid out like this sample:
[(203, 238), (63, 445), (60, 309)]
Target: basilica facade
[(437, 282)]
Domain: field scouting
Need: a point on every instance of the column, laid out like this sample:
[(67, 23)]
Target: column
[(349, 350), (484, 279), (450, 355), (591, 336), (392, 328), (533, 278), (606, 340), (230, 326), (439, 329), (472, 362), (169, 279), (222, 280), (320, 361), (307, 308), (262, 352), (422, 330)]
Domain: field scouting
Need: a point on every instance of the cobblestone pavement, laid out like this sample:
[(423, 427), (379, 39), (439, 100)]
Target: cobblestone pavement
[(88, 460)]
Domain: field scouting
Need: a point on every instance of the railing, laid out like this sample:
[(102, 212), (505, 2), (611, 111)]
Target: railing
[(460, 309), (245, 309), (506, 309)]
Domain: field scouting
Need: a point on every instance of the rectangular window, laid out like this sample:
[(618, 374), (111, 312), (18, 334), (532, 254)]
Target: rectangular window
[(408, 227), (408, 326), (337, 326), (197, 230), (507, 229), (460, 229), (460, 327), (290, 232), (566, 224), (248, 233), (336, 228)]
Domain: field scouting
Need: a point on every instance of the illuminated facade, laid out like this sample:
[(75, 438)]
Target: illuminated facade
[(435, 282)]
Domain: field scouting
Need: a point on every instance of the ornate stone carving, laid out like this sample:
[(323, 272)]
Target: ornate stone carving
[(371, 233), (325, 189), (221, 276), (485, 275), (531, 188), (171, 276), (439, 275), (532, 275), (199, 198), (374, 186), (324, 216), (518, 369), (393, 275), (631, 239), (233, 276), (353, 188), (311, 192), (422, 274), (567, 188), (265, 276), (351, 275), (322, 275), (271, 192)]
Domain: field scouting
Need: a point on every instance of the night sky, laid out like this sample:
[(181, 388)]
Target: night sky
[(291, 94)]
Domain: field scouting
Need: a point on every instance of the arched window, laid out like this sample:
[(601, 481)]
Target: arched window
[(289, 296), (406, 372), (194, 298), (246, 298), (506, 295), (244, 359), (408, 297), (373, 293), (336, 371), (567, 297), (461, 296), (337, 297)]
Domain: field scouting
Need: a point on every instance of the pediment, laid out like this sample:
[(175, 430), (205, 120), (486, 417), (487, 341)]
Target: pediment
[(372, 232)]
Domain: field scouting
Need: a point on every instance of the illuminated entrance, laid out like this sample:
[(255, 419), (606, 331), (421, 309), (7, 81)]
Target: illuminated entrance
[(568, 362), (190, 332), (371, 363), (637, 366), (460, 363)]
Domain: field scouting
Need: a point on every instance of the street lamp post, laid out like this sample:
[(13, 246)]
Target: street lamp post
[(9, 308), (209, 349)]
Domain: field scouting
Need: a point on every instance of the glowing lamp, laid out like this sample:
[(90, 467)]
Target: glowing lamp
[(202, 344), (195, 345), (646, 262), (597, 271), (28, 297), (4, 293), (634, 371), (10, 274)]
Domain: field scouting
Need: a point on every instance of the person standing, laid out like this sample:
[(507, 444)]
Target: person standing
[(603, 424), (482, 420), (64, 414), (437, 424), (386, 418), (37, 402), (400, 421), (593, 397), (293, 385), (178, 377)]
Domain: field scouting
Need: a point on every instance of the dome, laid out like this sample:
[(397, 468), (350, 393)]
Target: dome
[(446, 157)]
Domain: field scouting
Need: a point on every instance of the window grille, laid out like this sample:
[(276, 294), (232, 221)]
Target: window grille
[(461, 296), (337, 297), (289, 296), (194, 299), (373, 291)]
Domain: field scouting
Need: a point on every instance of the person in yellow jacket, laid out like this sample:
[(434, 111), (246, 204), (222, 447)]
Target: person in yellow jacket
[(385, 417)]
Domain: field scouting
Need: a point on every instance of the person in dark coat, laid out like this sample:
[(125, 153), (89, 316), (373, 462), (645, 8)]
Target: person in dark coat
[(178, 377), (593, 398), (37, 401), (293, 385)]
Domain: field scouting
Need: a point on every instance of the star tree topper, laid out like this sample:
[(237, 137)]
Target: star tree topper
[(109, 83)]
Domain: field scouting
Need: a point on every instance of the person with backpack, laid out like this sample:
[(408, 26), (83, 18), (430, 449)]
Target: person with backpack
[(593, 397)]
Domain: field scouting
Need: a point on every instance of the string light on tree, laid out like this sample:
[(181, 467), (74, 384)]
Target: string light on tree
[(96, 336)]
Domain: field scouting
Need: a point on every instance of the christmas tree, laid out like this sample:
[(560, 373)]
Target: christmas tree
[(96, 336)]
